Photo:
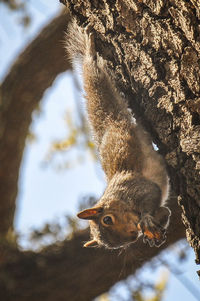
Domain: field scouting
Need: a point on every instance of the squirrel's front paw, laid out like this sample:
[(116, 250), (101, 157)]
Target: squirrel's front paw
[(153, 233)]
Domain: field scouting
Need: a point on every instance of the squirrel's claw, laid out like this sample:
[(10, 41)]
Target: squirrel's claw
[(154, 234)]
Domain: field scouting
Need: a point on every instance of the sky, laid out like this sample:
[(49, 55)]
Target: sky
[(47, 193)]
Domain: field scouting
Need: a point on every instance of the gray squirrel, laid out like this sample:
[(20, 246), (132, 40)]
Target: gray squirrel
[(133, 203)]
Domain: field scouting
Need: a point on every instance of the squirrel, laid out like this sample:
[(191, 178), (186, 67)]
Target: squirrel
[(133, 203)]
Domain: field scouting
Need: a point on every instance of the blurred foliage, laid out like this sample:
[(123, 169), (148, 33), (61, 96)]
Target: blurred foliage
[(103, 297), (78, 138), (157, 289), (63, 228), (14, 4), (54, 232), (87, 202), (11, 238), (19, 6), (31, 137)]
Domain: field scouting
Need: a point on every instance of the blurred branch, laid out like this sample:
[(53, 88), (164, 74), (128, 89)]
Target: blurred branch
[(33, 72), (67, 271)]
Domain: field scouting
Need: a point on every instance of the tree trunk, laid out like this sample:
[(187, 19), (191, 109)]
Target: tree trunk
[(153, 47)]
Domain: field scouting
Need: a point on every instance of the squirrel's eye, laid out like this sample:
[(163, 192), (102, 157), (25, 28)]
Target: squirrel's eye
[(108, 220)]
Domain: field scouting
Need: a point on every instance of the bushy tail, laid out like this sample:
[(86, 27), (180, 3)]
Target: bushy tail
[(104, 104), (75, 42)]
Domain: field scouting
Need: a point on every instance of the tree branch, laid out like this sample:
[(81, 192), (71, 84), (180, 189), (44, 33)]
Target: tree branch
[(68, 271), (34, 71)]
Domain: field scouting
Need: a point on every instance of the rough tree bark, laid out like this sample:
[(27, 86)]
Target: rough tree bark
[(154, 49), (148, 44)]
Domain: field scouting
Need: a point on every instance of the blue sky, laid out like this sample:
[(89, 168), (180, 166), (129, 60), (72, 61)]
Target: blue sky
[(46, 194)]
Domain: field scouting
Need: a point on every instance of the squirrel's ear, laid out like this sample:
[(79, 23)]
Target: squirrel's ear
[(91, 243), (90, 213)]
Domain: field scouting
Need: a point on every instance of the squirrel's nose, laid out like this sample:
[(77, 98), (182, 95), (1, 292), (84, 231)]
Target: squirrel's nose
[(131, 228)]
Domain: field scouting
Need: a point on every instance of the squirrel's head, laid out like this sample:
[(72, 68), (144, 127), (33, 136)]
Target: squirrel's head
[(111, 226)]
